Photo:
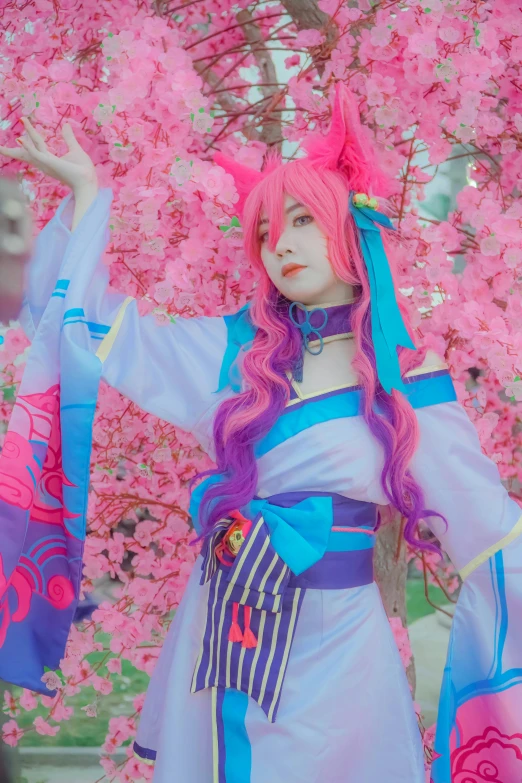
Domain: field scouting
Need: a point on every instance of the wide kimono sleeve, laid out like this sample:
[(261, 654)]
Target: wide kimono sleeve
[(80, 332), (171, 371), (479, 726)]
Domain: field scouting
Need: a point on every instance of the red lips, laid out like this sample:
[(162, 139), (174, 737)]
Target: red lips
[(290, 268)]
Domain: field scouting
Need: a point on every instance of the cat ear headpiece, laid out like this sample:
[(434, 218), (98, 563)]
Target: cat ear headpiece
[(345, 148)]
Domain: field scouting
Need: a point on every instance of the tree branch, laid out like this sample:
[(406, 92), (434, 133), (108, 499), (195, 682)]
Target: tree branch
[(271, 133)]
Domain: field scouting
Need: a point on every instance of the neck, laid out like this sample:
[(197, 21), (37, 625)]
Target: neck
[(342, 294)]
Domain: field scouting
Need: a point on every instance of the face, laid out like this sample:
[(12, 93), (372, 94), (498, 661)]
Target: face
[(299, 266)]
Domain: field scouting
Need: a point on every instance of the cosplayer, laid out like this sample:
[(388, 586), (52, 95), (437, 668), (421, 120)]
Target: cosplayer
[(280, 665)]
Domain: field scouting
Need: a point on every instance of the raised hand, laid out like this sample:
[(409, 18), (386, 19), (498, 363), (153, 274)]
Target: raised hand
[(74, 169)]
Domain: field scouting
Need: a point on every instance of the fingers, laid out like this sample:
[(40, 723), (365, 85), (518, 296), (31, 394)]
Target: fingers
[(36, 138), (69, 138), (17, 153), (32, 153)]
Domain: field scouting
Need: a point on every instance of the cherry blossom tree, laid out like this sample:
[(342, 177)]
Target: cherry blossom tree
[(152, 89)]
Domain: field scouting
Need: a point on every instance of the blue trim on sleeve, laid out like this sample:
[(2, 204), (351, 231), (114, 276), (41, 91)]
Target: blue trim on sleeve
[(240, 333)]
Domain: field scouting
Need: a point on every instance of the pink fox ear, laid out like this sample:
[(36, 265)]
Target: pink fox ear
[(245, 178), (345, 147)]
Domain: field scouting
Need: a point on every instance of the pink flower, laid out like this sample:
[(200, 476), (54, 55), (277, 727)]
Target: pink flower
[(10, 704), (101, 685), (42, 727), (203, 122), (114, 665), (490, 246), (51, 680), (61, 71), (402, 640), (306, 38), (92, 712), (12, 733), (162, 454), (28, 700)]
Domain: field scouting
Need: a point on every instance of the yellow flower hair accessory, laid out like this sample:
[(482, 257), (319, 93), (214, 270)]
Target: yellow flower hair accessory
[(363, 200)]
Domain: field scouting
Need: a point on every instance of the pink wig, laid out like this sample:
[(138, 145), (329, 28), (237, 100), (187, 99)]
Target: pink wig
[(338, 163)]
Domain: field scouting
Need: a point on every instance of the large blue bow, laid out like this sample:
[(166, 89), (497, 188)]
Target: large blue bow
[(299, 534), (388, 328)]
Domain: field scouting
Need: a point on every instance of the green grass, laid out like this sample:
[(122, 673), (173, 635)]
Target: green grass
[(81, 730), (90, 732), (416, 604)]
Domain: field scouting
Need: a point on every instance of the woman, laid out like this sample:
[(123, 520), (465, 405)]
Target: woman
[(280, 664)]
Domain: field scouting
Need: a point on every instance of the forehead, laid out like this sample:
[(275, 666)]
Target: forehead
[(288, 202)]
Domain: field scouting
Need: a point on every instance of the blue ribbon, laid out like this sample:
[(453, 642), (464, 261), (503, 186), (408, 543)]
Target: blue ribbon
[(241, 332), (299, 534), (388, 328)]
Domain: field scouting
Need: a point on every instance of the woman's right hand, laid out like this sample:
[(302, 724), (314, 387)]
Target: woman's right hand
[(74, 169)]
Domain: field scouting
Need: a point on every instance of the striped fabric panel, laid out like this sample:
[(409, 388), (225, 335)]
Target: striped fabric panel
[(259, 578), (259, 571), (76, 315), (210, 562), (258, 671)]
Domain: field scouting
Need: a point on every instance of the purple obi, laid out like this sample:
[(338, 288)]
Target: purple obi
[(255, 598)]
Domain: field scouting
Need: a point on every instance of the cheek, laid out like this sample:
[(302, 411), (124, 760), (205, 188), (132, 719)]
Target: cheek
[(269, 261)]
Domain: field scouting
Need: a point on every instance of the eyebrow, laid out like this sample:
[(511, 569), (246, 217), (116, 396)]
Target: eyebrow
[(287, 212)]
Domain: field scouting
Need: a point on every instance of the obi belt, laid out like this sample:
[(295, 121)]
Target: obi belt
[(284, 545)]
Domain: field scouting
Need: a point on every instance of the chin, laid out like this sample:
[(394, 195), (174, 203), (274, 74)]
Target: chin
[(306, 294), (296, 290)]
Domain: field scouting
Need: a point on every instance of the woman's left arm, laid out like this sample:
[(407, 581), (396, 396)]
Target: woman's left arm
[(480, 709)]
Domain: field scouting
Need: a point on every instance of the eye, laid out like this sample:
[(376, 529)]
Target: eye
[(303, 220), (263, 237)]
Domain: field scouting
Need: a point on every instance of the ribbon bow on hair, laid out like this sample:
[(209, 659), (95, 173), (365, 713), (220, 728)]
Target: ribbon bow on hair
[(388, 328)]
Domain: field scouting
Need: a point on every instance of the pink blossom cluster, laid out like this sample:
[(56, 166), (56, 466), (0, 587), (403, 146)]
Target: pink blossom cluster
[(150, 96)]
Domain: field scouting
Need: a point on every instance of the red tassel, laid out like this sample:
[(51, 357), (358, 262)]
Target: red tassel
[(234, 634), (249, 639)]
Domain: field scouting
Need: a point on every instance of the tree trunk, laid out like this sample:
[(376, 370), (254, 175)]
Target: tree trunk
[(390, 574)]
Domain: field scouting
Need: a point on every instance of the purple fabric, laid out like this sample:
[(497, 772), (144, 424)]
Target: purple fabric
[(273, 624), (356, 387), (144, 753), (347, 512), (339, 319), (337, 571)]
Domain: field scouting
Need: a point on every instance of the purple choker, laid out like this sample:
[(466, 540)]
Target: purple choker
[(317, 323)]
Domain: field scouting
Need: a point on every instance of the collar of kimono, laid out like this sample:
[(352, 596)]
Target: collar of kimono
[(319, 323)]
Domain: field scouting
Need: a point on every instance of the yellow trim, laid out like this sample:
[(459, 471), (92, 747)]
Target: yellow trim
[(243, 598), (492, 550), (209, 668), (149, 762), (264, 580), (268, 666), (243, 552), (240, 667), (330, 304), (108, 341), (293, 620), (258, 651), (215, 740), (409, 374), (331, 339)]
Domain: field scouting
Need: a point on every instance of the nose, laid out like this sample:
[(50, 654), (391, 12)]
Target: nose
[(284, 245)]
